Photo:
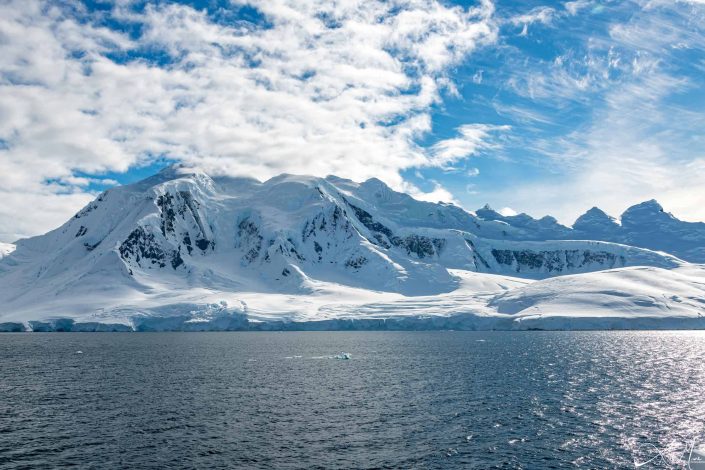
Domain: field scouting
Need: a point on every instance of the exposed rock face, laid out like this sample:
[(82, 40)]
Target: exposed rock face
[(557, 261), (143, 249), (421, 246)]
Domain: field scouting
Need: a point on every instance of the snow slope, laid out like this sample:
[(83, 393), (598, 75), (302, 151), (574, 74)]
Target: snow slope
[(642, 297), (184, 251)]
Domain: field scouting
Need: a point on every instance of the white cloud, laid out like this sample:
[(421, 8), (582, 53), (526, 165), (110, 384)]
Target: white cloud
[(438, 194), (507, 211), (543, 15), (635, 149), (471, 139), (327, 88), (574, 7), (471, 189)]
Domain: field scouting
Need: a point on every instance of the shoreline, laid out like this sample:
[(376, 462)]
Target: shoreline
[(451, 323)]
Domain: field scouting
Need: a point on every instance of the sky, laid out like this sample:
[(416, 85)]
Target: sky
[(531, 106)]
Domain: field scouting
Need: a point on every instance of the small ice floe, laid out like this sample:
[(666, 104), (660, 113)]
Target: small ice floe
[(451, 452), (468, 437), (79, 352), (342, 355)]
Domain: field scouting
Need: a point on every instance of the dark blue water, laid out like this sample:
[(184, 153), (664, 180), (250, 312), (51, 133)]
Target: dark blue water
[(404, 399)]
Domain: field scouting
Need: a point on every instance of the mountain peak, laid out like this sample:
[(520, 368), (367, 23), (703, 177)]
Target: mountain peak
[(486, 212), (376, 186), (375, 182), (596, 211), (596, 221), (290, 177), (651, 204), (646, 212), (176, 170), (168, 173)]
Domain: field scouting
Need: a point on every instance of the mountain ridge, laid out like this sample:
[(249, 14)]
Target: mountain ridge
[(646, 225), (182, 250)]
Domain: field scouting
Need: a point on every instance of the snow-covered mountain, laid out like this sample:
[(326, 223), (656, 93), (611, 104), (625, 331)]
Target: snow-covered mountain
[(182, 250), (645, 225)]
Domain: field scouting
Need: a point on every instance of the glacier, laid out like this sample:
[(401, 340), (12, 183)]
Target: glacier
[(184, 251)]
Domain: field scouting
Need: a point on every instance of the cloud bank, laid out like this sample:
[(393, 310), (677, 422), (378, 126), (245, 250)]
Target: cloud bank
[(569, 105), (312, 87)]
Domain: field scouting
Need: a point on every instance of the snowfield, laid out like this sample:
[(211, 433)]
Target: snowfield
[(184, 251)]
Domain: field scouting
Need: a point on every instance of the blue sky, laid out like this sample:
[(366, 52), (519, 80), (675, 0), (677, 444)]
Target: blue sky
[(542, 107)]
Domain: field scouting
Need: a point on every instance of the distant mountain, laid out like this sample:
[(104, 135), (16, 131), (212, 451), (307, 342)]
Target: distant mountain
[(524, 227), (645, 225), (182, 250), (595, 224)]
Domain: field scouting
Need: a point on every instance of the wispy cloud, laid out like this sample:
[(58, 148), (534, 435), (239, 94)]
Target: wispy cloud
[(470, 140), (635, 130), (541, 14)]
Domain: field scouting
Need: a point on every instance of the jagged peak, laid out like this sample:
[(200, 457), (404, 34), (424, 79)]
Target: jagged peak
[(594, 210), (487, 212), (651, 204), (644, 210), (595, 213)]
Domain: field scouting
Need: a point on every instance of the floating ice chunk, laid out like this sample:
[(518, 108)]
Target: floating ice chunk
[(342, 355), (79, 352)]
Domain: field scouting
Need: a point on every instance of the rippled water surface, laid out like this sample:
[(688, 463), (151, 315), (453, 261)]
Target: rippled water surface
[(403, 400)]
